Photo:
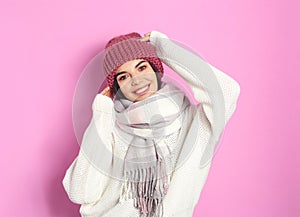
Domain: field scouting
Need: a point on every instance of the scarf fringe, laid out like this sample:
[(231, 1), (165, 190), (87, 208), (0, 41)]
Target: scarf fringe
[(147, 187)]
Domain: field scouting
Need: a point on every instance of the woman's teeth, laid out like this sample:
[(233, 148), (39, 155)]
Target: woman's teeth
[(142, 89)]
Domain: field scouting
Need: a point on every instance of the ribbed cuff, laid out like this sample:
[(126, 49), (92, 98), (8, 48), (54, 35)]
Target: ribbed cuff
[(103, 104), (156, 34)]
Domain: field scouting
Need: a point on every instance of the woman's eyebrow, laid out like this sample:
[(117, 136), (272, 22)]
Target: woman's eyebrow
[(137, 65), (119, 73)]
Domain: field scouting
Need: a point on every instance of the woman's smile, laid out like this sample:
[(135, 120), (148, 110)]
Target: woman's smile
[(143, 90)]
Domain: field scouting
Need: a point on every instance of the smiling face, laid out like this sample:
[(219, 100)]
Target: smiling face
[(137, 80)]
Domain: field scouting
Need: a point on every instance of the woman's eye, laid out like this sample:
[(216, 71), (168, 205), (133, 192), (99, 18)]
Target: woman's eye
[(122, 77), (142, 68)]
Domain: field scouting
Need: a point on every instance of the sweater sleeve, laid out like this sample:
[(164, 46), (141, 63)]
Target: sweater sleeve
[(217, 94), (84, 182), (213, 89)]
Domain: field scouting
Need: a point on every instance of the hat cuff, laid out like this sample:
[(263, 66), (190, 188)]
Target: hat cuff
[(124, 51)]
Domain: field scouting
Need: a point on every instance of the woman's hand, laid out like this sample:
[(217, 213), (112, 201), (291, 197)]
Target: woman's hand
[(146, 37), (106, 92)]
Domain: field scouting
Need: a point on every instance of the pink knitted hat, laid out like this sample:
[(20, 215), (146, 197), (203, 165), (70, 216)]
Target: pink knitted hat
[(128, 47)]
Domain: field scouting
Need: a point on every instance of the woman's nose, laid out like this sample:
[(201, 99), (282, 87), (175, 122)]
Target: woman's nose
[(135, 80)]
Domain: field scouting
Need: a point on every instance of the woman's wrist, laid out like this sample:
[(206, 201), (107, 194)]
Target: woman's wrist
[(103, 103)]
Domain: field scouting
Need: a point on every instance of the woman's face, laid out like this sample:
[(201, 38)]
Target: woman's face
[(137, 80)]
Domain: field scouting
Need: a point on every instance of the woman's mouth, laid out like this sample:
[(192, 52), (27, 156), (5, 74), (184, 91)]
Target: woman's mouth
[(142, 90)]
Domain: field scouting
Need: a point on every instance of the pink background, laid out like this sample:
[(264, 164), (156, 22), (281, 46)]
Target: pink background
[(46, 44)]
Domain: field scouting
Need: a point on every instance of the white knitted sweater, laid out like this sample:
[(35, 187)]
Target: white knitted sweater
[(99, 194)]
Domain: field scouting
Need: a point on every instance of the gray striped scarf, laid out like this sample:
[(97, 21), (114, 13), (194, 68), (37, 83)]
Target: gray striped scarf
[(145, 168)]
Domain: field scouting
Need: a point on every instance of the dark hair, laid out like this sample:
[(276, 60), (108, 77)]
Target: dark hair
[(119, 93)]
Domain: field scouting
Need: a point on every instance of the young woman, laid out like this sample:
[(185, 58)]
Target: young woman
[(148, 150)]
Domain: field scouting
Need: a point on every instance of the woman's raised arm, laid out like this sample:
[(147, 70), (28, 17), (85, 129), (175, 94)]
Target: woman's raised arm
[(216, 91)]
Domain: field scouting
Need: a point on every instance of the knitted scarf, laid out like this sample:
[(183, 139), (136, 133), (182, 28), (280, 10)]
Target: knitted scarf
[(146, 122)]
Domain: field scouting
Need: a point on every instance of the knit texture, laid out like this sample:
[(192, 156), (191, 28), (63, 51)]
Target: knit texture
[(124, 48)]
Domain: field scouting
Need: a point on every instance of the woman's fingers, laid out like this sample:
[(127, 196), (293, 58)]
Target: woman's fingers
[(106, 92), (146, 37)]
